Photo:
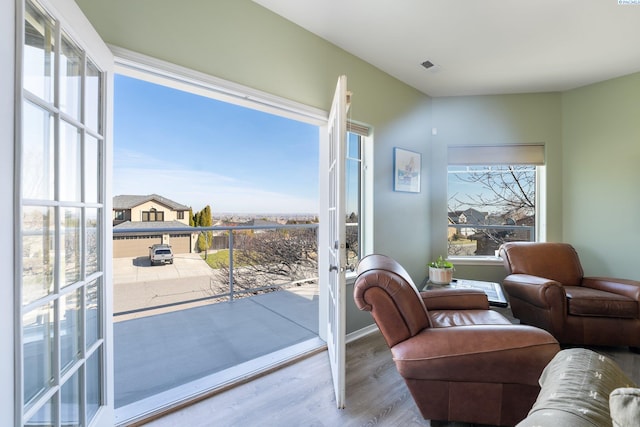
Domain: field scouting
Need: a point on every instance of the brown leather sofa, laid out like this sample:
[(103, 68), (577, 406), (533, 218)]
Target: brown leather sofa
[(461, 361), (547, 289)]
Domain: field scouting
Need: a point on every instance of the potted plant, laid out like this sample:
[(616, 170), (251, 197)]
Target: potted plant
[(440, 271)]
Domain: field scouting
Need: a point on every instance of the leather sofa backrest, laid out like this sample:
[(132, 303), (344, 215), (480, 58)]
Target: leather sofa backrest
[(385, 288), (554, 261)]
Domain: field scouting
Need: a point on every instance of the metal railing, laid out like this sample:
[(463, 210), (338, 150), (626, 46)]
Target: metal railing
[(494, 235), (231, 232)]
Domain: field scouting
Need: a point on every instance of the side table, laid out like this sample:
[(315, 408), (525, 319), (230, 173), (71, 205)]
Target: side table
[(494, 292)]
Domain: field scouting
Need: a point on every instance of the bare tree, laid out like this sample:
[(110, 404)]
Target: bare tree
[(509, 188), (507, 196), (272, 257)]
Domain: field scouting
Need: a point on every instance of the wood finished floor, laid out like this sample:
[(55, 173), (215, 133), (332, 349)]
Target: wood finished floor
[(301, 394)]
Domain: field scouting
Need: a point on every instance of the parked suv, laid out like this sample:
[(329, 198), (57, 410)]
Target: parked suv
[(160, 254)]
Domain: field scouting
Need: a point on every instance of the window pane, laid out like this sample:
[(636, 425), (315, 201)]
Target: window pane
[(490, 205), (38, 252), (94, 392), (92, 299), (91, 169), (38, 53), (70, 231), (92, 99), (70, 78), (38, 333), (352, 195), (92, 237), (70, 402), (37, 153), (44, 416), (69, 162), (69, 329)]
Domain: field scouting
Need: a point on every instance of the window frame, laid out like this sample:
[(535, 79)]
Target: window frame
[(502, 155), (365, 211)]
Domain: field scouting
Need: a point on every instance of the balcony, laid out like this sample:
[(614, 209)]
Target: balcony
[(184, 329)]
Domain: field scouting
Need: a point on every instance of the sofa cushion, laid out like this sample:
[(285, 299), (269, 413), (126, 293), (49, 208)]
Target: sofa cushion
[(624, 404), (575, 389), (593, 302)]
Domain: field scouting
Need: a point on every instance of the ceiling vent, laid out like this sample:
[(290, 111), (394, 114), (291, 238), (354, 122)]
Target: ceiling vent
[(427, 64)]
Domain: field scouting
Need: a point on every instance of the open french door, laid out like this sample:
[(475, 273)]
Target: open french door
[(336, 329), (64, 340)]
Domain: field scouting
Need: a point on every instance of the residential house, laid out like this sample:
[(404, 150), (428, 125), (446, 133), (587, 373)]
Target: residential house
[(151, 213), (468, 217), (588, 124)]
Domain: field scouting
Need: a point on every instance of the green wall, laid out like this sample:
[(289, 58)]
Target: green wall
[(490, 120), (601, 175), (591, 138), (242, 42)]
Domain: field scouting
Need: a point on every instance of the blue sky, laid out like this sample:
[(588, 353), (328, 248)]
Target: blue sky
[(199, 151)]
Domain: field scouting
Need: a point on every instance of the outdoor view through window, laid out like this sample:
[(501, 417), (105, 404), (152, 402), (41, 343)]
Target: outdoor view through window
[(186, 311), (490, 205)]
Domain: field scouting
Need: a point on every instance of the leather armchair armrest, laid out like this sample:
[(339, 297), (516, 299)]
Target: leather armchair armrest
[(628, 288), (541, 292), (455, 299)]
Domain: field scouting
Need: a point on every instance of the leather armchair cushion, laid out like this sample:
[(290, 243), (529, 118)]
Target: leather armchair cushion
[(542, 260), (479, 353), (593, 302)]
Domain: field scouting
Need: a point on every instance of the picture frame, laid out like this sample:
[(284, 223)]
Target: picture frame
[(407, 168)]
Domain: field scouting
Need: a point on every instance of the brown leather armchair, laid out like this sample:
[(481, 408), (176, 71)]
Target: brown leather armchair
[(460, 360), (547, 288)]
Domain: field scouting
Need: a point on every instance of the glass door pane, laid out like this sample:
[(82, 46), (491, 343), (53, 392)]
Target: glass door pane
[(61, 240), (39, 58), (70, 78)]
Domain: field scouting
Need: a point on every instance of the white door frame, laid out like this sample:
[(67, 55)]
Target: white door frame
[(78, 28)]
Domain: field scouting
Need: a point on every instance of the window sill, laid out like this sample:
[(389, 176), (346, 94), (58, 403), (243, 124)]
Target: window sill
[(475, 260)]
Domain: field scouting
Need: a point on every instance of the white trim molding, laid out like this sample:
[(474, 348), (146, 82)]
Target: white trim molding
[(137, 65)]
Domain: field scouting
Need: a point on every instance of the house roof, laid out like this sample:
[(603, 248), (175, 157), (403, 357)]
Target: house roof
[(472, 216), (131, 201), (151, 225)]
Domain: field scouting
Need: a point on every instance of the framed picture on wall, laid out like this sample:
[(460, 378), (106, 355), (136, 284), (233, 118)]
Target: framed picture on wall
[(406, 170)]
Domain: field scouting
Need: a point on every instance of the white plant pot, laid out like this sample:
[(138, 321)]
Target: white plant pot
[(440, 276)]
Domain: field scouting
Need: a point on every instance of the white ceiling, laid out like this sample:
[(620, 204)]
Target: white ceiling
[(480, 46)]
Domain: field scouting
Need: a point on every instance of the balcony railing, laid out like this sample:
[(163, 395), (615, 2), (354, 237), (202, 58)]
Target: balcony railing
[(176, 336), (245, 272), (486, 239)]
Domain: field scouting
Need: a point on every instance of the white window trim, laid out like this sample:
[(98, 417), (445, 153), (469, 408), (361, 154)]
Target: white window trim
[(143, 67), (504, 154)]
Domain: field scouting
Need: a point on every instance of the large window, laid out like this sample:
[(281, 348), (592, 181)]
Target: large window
[(493, 197)]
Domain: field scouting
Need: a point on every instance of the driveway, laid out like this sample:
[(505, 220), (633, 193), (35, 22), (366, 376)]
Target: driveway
[(132, 270), (142, 290)]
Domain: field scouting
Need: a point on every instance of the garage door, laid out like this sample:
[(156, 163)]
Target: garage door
[(134, 246), (180, 243)]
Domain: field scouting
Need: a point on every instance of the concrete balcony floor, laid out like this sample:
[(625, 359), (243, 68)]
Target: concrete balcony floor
[(174, 354)]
